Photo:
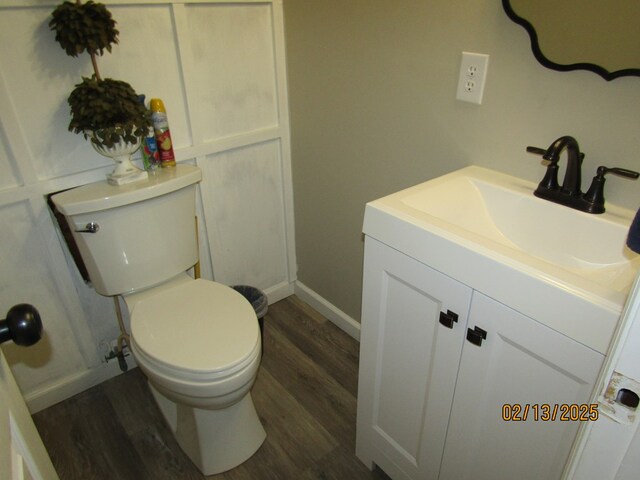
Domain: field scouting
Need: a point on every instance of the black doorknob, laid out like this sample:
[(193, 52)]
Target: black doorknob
[(22, 325)]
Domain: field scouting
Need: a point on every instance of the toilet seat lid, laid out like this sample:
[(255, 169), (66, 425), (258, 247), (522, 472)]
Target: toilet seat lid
[(199, 325)]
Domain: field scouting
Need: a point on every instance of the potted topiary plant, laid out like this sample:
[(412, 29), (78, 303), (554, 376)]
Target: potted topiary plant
[(106, 111)]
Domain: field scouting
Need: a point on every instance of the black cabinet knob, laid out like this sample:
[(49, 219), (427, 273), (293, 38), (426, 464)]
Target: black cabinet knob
[(448, 319), (22, 325), (476, 335)]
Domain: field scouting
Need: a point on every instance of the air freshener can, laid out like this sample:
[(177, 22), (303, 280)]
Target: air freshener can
[(162, 133), (150, 154)]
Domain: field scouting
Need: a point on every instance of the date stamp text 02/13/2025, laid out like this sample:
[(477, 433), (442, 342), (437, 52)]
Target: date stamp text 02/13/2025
[(544, 412)]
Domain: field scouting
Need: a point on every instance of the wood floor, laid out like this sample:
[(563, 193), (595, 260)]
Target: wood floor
[(305, 395)]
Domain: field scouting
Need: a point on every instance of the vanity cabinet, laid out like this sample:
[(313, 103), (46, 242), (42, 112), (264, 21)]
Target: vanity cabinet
[(432, 389), (408, 361)]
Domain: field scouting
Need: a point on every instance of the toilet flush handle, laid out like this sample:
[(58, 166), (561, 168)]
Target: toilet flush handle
[(91, 227)]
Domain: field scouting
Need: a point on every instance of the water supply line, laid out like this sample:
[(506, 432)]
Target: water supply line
[(122, 338), (196, 267)]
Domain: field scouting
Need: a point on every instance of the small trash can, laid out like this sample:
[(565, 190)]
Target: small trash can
[(258, 301)]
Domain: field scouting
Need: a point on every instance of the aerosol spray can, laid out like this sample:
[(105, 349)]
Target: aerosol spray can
[(150, 154), (149, 148), (163, 135)]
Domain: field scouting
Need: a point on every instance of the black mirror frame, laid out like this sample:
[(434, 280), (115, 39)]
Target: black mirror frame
[(535, 46)]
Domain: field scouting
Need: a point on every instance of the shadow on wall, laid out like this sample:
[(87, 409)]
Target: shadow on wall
[(39, 356)]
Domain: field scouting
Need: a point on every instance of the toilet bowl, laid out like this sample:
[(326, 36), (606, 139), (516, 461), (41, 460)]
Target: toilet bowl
[(197, 341)]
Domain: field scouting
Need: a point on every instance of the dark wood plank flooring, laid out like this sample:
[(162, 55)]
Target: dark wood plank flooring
[(305, 395)]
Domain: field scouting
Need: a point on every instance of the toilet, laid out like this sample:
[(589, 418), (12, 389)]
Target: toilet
[(197, 341)]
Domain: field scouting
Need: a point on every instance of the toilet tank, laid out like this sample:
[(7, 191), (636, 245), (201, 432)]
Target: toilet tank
[(146, 231)]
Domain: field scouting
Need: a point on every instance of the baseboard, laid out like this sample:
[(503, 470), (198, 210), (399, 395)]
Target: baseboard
[(330, 311), (280, 291), (73, 384)]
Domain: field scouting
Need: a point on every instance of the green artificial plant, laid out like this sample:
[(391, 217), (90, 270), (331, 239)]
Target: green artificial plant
[(104, 110)]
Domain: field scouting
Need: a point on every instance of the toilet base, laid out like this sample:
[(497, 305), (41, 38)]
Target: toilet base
[(214, 440)]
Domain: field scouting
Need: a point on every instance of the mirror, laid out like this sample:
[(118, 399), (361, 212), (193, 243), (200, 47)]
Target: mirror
[(596, 35)]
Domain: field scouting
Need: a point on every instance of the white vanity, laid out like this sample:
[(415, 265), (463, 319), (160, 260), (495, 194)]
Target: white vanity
[(482, 306)]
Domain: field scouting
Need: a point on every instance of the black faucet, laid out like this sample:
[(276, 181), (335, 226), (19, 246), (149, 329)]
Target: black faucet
[(570, 193)]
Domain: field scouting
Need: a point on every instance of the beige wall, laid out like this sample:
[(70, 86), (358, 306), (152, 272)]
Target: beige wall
[(373, 110)]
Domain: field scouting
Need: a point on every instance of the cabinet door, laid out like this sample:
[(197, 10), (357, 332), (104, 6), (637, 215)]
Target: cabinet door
[(408, 362), (521, 362)]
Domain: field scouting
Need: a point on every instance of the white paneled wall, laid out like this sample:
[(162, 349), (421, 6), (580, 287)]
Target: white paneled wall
[(220, 69), (235, 96), (250, 240)]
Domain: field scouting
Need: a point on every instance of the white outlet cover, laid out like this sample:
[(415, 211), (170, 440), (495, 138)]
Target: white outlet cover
[(472, 77)]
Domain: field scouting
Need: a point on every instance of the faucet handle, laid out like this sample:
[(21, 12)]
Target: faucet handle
[(595, 194), (623, 172), (543, 152), (550, 180), (537, 150)]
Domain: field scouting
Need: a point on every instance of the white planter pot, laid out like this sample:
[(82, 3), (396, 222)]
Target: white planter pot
[(125, 171)]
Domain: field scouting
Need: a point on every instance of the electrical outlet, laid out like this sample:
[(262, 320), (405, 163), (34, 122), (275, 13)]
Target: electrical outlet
[(473, 73)]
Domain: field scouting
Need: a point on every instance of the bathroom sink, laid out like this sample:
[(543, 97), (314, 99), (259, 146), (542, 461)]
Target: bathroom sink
[(502, 209), (489, 230)]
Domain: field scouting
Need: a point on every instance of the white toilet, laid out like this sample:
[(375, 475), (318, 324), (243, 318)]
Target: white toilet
[(197, 341)]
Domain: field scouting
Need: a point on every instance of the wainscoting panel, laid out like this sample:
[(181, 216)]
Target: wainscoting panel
[(234, 68), (219, 66), (245, 220), (8, 172), (34, 279)]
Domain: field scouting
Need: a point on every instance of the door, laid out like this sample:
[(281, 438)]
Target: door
[(521, 369), (611, 447), (22, 453), (413, 324)]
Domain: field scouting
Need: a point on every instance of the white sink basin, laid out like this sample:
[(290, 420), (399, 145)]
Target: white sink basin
[(489, 230), (503, 209)]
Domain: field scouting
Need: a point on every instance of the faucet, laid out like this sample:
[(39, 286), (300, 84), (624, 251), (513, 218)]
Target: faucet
[(570, 193), (572, 177)]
